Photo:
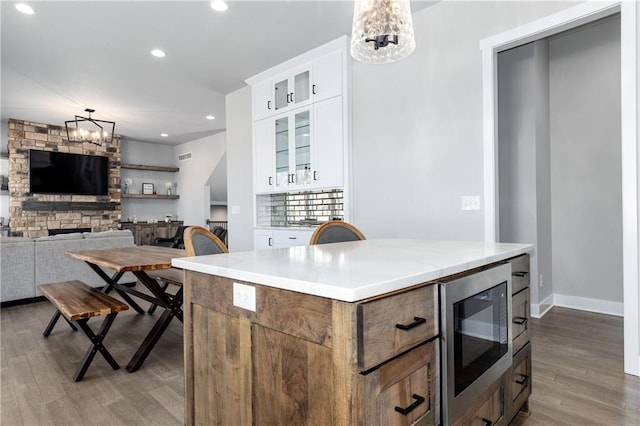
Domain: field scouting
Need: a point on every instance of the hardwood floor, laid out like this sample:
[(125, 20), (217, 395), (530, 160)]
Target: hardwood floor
[(577, 367), (37, 386), (578, 376)]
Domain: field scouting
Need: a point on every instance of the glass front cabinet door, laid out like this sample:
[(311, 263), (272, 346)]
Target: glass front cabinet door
[(293, 151), (293, 90)]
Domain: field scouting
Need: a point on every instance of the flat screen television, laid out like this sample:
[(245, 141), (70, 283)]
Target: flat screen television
[(64, 173)]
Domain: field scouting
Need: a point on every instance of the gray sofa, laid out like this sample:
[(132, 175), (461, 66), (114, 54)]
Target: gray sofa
[(25, 263)]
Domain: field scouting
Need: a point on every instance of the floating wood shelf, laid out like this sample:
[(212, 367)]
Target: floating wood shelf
[(67, 205), (151, 196), (150, 168)]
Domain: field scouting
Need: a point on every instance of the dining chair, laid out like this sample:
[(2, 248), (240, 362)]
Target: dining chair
[(336, 231), (199, 241), (177, 241)]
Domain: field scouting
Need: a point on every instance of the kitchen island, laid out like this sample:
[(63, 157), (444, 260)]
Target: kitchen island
[(345, 333)]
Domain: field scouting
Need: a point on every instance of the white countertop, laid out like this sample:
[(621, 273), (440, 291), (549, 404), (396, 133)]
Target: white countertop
[(355, 270)]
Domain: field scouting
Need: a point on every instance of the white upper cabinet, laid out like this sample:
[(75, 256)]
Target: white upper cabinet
[(263, 154), (300, 116), (328, 76), (314, 81), (262, 100), (328, 143)]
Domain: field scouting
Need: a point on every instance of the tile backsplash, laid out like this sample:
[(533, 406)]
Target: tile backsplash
[(306, 208)]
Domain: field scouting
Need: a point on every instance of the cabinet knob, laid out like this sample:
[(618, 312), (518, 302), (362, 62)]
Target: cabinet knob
[(313, 89), (270, 242), (315, 175), (268, 104), (270, 181)]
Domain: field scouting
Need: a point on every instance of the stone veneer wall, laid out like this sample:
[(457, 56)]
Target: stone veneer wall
[(26, 135)]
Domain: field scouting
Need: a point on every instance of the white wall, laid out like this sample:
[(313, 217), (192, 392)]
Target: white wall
[(135, 152), (586, 162), (193, 205), (239, 170), (417, 142)]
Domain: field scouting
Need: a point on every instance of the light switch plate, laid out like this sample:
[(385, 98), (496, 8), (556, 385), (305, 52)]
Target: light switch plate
[(470, 202), (244, 296), (235, 209)]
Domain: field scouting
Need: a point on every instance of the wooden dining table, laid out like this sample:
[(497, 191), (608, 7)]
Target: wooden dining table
[(141, 261)]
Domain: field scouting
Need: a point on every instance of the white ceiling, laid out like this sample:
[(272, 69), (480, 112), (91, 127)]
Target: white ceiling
[(72, 55)]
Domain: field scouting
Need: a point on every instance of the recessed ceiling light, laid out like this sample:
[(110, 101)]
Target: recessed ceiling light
[(210, 117), (158, 53), (164, 135), (219, 5), (26, 9)]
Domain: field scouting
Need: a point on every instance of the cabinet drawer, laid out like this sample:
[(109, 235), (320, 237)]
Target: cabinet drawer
[(520, 316), (391, 325), (519, 381), (488, 410), (291, 238), (405, 391), (520, 275)]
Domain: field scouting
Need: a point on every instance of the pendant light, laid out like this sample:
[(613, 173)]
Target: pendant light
[(98, 134), (382, 31)]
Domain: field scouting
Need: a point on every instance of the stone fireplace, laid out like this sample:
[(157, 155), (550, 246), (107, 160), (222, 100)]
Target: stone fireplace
[(33, 215)]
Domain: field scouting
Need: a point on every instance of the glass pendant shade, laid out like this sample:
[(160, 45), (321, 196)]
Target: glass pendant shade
[(382, 31)]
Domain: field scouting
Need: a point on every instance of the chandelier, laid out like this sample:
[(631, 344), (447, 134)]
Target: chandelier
[(98, 134), (382, 31)]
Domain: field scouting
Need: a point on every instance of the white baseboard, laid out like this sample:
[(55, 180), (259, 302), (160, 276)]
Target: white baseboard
[(580, 303), (538, 310)]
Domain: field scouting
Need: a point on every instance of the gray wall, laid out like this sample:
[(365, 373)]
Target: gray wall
[(194, 204), (417, 129), (135, 152), (523, 152), (239, 171), (417, 124), (517, 139), (4, 169), (544, 249), (586, 162)]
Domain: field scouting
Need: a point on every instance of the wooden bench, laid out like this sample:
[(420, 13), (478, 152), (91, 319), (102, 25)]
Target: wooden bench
[(78, 302)]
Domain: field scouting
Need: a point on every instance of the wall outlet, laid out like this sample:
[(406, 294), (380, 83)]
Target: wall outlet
[(244, 296), (470, 202), (541, 281)]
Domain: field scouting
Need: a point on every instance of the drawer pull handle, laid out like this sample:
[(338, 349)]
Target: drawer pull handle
[(416, 322), (519, 273), (487, 422), (418, 400), (524, 381), (520, 320)]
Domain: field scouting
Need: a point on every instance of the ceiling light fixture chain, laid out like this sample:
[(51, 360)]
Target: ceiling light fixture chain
[(80, 134)]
